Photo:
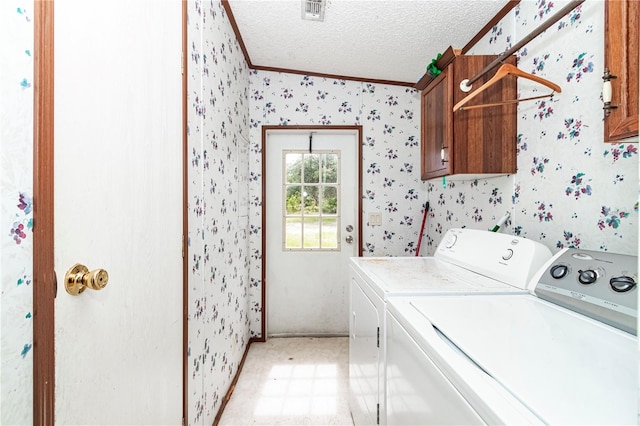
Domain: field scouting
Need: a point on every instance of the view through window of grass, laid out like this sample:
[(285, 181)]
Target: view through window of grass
[(311, 203)]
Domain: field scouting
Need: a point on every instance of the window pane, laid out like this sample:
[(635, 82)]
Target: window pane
[(310, 196), (311, 168), (293, 201), (329, 200), (294, 167), (329, 168), (311, 200), (330, 232), (311, 229), (293, 232)]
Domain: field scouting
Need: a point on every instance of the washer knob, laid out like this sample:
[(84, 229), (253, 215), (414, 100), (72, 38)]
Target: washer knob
[(622, 284), (451, 241), (507, 254), (559, 271), (587, 277)]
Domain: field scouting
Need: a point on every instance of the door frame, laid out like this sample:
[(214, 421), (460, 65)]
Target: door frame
[(44, 276), (44, 279), (316, 128)]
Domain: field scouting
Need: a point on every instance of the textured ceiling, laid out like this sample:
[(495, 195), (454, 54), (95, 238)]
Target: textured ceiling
[(369, 39)]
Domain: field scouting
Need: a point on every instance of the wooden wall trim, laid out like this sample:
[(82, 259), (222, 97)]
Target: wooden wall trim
[(263, 279), (232, 386), (494, 21), (44, 280), (185, 217), (360, 242), (335, 76), (358, 129), (236, 30)]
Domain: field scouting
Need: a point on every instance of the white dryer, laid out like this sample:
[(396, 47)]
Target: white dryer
[(566, 353), (466, 262)]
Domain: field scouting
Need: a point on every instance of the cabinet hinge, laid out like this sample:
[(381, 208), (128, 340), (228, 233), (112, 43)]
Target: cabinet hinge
[(378, 414), (378, 338)]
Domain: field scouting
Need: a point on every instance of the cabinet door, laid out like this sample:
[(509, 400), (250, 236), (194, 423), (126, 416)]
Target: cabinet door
[(485, 138), (621, 57), (437, 128), (364, 367)]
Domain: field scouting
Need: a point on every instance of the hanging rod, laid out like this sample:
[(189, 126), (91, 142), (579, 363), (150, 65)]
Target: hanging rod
[(535, 33)]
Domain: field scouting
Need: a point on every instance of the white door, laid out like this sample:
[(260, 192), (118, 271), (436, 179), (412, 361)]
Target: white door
[(311, 230), (118, 206)]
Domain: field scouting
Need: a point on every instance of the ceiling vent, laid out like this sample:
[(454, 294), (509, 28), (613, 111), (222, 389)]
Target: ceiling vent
[(313, 10)]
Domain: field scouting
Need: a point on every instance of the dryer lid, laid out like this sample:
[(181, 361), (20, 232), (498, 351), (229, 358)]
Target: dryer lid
[(566, 368)]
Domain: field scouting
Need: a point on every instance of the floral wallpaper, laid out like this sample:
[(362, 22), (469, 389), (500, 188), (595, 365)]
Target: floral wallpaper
[(571, 188), (218, 85), (16, 220), (390, 117)]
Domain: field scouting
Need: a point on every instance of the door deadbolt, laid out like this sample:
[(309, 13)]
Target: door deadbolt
[(349, 228), (78, 278)]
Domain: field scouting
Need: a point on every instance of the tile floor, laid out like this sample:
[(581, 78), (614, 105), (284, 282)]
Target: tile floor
[(292, 381)]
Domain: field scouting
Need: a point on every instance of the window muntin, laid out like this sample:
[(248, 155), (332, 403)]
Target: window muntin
[(311, 207)]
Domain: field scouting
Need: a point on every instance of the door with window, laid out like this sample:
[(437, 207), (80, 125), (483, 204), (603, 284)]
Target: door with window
[(311, 230)]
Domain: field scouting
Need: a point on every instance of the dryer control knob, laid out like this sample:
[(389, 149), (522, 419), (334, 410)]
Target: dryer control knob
[(587, 277), (559, 271), (622, 284)]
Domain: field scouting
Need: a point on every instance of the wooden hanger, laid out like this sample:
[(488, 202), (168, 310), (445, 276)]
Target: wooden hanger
[(503, 71)]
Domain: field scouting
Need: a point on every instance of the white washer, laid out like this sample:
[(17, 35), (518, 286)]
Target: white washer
[(519, 359), (466, 262)]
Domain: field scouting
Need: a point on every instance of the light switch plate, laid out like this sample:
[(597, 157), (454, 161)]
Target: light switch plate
[(375, 219)]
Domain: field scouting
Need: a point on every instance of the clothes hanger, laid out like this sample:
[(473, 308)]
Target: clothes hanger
[(503, 71)]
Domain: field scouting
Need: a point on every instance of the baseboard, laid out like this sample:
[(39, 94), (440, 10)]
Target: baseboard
[(281, 335), (232, 387)]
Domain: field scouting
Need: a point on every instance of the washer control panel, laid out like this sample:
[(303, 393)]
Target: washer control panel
[(601, 285), (507, 258)]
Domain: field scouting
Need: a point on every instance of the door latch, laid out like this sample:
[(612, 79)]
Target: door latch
[(78, 278)]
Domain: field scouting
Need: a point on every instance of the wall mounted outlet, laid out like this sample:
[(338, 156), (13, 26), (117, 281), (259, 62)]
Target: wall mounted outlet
[(375, 219)]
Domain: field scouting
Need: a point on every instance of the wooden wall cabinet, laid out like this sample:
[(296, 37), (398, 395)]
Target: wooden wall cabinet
[(621, 58), (470, 142)]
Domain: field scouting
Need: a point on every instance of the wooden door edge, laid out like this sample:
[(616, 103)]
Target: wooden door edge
[(44, 280)]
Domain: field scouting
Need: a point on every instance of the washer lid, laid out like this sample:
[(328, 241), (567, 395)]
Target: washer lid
[(416, 275), (566, 368)]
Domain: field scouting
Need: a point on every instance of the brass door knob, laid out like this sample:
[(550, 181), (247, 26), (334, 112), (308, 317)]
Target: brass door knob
[(78, 278)]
